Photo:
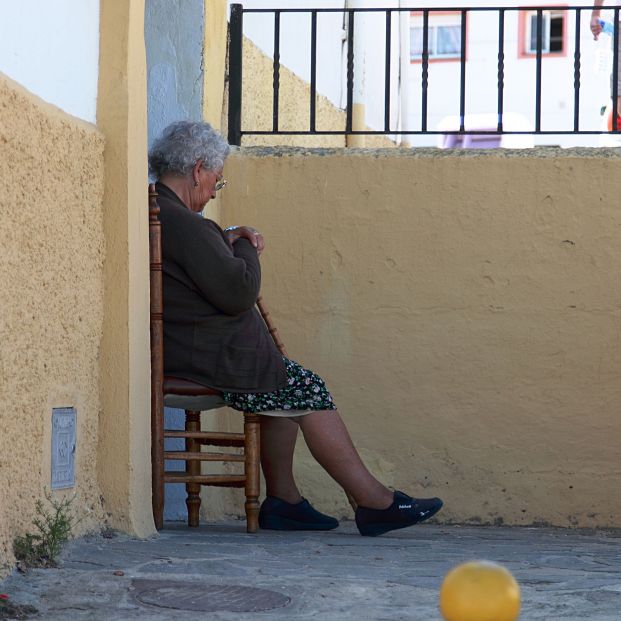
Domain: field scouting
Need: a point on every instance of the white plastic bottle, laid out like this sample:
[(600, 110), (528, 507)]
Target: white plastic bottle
[(607, 27), (603, 53)]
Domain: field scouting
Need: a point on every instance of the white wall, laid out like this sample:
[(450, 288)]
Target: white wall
[(174, 42), (52, 48)]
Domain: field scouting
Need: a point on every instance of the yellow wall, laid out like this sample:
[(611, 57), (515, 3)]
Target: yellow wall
[(216, 12), (124, 447), (464, 308), (51, 302)]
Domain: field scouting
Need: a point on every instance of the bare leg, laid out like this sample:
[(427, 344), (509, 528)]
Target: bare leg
[(330, 443), (278, 437)]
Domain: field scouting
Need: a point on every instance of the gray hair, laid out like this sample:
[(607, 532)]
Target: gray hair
[(182, 144)]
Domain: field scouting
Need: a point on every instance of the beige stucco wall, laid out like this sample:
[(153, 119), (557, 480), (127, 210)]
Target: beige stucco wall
[(51, 302), (214, 60), (464, 308)]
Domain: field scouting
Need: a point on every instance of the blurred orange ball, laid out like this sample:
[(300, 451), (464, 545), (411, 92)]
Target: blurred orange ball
[(480, 591)]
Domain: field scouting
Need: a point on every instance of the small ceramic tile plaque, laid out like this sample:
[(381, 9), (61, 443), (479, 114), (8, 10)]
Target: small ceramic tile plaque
[(63, 447)]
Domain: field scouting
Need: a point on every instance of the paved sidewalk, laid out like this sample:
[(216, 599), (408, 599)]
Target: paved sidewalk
[(218, 572)]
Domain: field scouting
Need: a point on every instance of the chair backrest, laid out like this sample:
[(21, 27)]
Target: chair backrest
[(157, 353)]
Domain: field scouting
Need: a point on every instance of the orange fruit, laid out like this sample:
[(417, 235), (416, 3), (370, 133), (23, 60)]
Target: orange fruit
[(480, 591)]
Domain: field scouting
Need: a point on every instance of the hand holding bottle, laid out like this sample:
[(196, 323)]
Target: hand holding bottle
[(596, 27)]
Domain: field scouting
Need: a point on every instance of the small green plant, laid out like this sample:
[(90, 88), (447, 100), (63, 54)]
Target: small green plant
[(53, 529)]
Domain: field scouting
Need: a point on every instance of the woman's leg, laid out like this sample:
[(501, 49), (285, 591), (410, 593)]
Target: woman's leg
[(330, 444), (278, 437)]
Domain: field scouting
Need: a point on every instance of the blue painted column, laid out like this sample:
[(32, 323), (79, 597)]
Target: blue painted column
[(174, 43)]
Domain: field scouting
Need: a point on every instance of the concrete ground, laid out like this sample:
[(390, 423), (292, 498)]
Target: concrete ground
[(219, 572)]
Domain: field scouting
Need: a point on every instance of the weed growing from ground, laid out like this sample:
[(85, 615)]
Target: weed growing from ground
[(53, 524)]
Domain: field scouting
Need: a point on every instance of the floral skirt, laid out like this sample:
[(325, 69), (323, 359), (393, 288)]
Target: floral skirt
[(305, 392)]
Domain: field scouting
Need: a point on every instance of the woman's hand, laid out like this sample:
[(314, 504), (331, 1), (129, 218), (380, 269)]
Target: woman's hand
[(596, 27), (234, 233)]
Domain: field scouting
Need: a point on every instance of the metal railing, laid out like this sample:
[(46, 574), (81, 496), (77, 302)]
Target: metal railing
[(236, 131)]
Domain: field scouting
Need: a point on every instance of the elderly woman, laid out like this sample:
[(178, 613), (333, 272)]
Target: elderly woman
[(214, 335)]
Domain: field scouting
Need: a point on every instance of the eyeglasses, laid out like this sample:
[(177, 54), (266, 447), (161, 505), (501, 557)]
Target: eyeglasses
[(219, 184)]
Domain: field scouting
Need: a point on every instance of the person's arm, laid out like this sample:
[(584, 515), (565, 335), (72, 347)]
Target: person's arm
[(228, 277), (596, 28)]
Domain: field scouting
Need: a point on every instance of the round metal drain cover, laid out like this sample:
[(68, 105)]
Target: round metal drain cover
[(206, 597)]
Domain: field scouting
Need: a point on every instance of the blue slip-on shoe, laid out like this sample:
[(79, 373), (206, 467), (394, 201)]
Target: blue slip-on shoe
[(277, 514), (403, 512)]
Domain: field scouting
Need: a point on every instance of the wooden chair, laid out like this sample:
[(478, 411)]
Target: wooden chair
[(193, 398)]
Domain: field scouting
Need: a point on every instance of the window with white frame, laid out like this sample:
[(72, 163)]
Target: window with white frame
[(444, 36), (552, 32)]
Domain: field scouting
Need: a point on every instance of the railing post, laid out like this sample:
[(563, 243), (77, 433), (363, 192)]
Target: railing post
[(577, 74), (276, 71), (425, 71), (236, 33), (462, 81), (615, 73), (350, 73), (501, 67)]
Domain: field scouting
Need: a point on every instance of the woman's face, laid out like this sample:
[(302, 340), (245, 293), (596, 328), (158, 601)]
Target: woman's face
[(209, 182)]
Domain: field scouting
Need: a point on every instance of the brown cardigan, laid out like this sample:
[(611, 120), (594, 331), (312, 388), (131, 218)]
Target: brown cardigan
[(213, 333)]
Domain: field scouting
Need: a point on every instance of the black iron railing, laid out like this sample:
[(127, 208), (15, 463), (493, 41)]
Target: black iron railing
[(236, 131)]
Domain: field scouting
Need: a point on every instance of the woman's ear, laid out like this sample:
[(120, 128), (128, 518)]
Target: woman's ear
[(196, 172)]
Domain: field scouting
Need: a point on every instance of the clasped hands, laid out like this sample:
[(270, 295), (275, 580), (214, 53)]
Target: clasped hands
[(233, 233)]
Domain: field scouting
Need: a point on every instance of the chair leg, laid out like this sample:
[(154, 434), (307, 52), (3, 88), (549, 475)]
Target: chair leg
[(193, 467), (253, 482), (157, 464)]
